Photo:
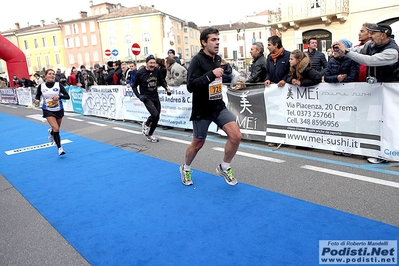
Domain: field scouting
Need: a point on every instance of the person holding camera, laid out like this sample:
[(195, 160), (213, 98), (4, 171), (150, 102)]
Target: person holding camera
[(381, 59), (381, 56), (341, 68)]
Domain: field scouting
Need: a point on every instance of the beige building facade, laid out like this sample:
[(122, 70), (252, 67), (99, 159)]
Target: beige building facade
[(330, 21)]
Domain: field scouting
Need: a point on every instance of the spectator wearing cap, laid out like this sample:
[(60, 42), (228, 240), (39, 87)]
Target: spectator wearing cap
[(381, 59), (175, 73), (172, 54), (341, 68)]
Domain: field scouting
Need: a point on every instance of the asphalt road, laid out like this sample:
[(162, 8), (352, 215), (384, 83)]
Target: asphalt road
[(349, 184)]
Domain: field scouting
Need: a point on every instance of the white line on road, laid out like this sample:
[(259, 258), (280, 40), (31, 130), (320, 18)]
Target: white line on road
[(127, 130), (35, 147), (71, 114), (352, 176), (260, 157), (97, 124), (164, 138), (75, 119), (38, 117)]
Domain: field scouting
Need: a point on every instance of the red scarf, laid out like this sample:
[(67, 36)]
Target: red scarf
[(277, 54)]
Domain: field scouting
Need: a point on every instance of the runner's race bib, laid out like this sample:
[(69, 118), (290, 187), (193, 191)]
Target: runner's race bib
[(215, 89)]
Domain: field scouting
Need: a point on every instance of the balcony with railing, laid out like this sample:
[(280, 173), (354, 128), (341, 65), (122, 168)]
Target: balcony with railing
[(295, 13)]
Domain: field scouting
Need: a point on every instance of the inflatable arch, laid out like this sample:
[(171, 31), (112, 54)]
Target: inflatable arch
[(15, 59)]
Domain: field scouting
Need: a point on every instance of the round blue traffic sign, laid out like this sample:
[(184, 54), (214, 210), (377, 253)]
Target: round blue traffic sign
[(115, 52)]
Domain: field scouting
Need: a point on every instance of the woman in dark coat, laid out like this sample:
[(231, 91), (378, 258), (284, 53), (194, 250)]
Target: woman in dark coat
[(301, 71)]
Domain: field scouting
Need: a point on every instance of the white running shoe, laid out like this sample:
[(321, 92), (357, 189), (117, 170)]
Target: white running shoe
[(50, 137), (145, 129), (376, 160), (152, 139), (227, 175), (61, 151), (185, 176)]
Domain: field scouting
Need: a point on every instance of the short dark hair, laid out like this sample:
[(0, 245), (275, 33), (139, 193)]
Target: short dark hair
[(205, 34), (275, 40), (311, 38)]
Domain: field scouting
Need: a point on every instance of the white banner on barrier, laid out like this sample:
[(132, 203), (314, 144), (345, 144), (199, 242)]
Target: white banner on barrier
[(390, 114), (9, 96), (357, 118), (337, 117), (103, 101), (24, 96)]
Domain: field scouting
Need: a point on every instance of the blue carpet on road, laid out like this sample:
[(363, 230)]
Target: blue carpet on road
[(123, 208)]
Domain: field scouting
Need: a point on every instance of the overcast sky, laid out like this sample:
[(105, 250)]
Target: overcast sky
[(200, 12)]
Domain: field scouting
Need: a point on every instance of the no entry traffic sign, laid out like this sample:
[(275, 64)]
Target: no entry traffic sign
[(136, 49), (108, 52)]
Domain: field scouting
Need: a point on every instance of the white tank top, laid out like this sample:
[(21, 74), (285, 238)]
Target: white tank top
[(48, 102)]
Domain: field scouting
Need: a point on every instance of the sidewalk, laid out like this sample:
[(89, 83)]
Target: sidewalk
[(26, 238)]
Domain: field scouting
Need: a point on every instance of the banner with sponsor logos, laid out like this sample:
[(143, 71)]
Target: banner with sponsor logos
[(338, 117), (175, 109), (357, 118), (8, 96), (248, 106)]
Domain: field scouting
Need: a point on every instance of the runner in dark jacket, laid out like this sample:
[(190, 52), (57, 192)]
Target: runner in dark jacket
[(148, 79)]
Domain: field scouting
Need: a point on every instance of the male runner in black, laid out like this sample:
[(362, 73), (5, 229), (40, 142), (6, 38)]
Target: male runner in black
[(148, 79)]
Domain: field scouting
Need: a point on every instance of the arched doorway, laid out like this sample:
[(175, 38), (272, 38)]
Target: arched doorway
[(323, 39)]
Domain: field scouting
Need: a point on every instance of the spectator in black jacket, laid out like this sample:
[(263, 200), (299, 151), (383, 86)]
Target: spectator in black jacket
[(61, 78), (277, 62), (341, 68), (172, 53), (258, 69), (27, 83), (318, 59), (109, 78), (301, 71)]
